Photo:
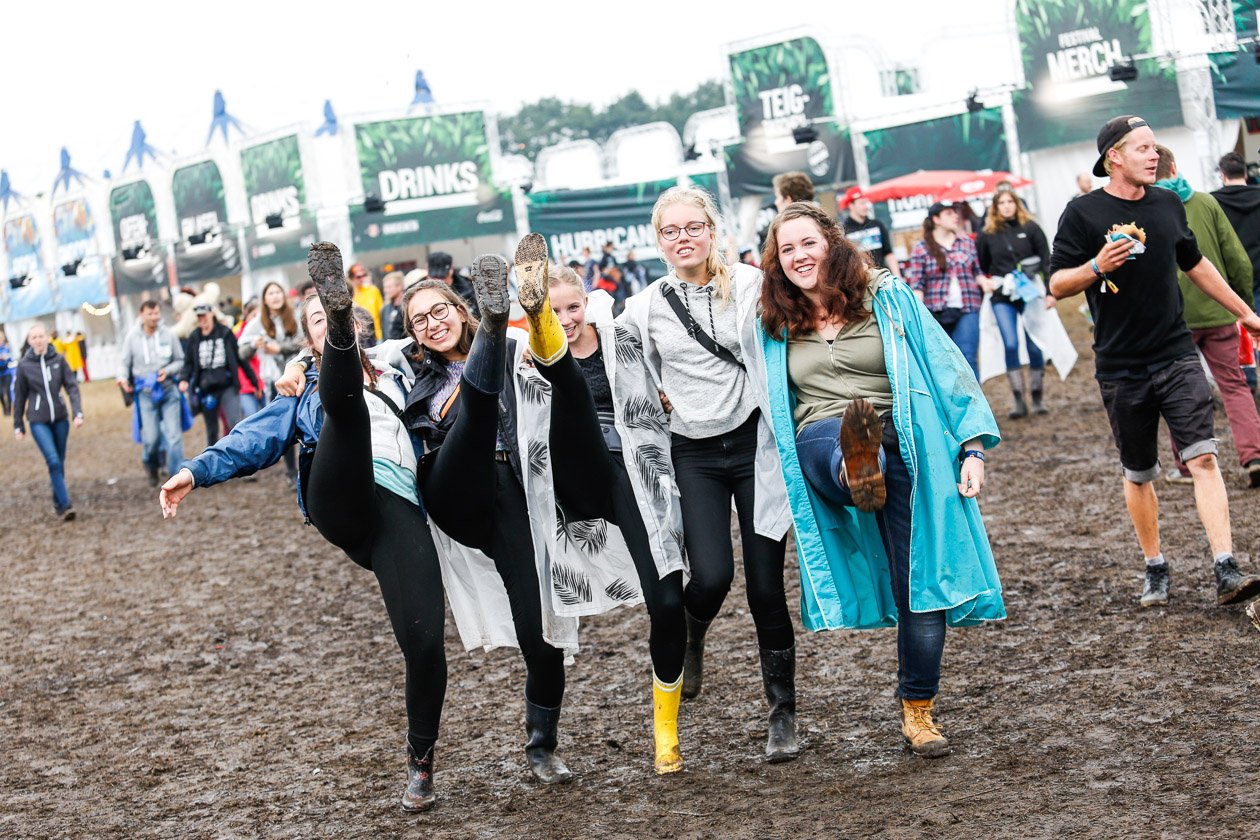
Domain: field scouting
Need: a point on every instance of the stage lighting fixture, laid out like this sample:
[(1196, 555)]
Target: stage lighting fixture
[(1123, 71)]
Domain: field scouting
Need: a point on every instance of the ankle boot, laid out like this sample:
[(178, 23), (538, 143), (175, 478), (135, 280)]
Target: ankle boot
[(665, 697), (1036, 381), (540, 748), (778, 672), (419, 795), (1019, 408), (693, 659), (490, 285), (921, 732), (487, 359), (323, 263)]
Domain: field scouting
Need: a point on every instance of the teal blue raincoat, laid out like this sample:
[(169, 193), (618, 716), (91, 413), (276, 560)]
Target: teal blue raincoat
[(937, 406)]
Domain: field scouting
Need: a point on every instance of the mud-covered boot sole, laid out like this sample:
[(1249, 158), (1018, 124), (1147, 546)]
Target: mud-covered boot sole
[(490, 283), (861, 436), (323, 263), (531, 273)]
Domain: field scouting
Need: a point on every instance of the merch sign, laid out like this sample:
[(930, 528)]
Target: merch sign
[(206, 249), (1068, 50), (963, 141), (280, 229), (778, 88), (433, 176), (140, 264)]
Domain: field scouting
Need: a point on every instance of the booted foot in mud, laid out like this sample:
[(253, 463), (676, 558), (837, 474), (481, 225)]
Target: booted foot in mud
[(861, 435), (1155, 591), (323, 263), (490, 282), (1232, 586), (419, 795), (922, 734)]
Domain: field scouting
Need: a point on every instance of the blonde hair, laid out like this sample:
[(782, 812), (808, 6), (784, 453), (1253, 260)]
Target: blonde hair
[(562, 275), (1119, 147), (694, 196)]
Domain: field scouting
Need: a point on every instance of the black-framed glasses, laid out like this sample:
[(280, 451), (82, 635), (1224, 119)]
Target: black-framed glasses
[(671, 232), (437, 313)]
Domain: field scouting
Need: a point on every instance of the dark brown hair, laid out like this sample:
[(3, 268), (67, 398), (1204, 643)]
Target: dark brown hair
[(369, 369), (450, 296), (934, 249), (794, 185), (1167, 160), (993, 219), (286, 313), (785, 311)]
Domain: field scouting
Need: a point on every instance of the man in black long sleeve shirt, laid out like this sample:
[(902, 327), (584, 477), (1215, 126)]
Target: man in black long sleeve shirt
[(210, 368)]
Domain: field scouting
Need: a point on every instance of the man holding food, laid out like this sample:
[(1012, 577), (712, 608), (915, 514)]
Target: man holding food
[(1122, 246)]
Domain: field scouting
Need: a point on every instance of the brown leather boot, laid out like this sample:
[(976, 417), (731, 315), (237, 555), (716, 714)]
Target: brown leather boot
[(922, 734), (861, 437)]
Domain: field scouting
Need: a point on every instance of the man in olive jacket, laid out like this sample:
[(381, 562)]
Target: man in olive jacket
[(1213, 328)]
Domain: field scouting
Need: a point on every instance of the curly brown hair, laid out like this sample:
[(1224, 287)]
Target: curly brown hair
[(785, 310)]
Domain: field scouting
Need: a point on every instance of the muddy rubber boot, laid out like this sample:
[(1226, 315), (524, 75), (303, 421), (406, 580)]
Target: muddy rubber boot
[(1019, 408), (490, 284), (323, 263), (922, 734), (861, 442), (1036, 386), (540, 748), (693, 657), (419, 795), (547, 341), (1155, 590), (778, 673), (1232, 586), (665, 697)]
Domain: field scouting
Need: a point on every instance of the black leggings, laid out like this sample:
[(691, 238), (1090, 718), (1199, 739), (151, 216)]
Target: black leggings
[(591, 483), (382, 532), (478, 501), (710, 472)]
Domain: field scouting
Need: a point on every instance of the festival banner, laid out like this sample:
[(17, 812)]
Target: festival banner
[(75, 231), (1236, 75), (575, 219), (963, 141), (828, 160), (433, 175), (36, 295), (140, 264), (206, 249), (778, 88), (275, 187), (1068, 49)]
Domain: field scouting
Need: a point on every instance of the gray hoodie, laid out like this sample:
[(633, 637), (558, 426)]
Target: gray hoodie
[(145, 354)]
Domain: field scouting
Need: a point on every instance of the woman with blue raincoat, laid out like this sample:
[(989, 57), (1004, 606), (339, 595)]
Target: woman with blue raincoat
[(881, 429)]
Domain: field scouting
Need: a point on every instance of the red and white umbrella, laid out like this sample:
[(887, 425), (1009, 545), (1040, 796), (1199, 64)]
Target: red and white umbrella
[(942, 184)]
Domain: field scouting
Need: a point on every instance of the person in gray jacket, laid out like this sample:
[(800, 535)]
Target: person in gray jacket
[(151, 361), (41, 374)]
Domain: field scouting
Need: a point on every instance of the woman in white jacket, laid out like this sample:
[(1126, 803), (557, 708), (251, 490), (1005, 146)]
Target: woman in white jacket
[(696, 326)]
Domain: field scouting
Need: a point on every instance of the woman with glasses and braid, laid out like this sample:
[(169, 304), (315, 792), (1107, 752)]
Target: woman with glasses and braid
[(696, 326)]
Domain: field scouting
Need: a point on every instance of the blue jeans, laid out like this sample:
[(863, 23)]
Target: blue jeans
[(966, 334), (920, 635), (1007, 315), (160, 428), (250, 404), (51, 440)]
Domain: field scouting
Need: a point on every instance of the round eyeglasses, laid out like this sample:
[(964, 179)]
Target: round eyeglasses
[(437, 313), (671, 232)]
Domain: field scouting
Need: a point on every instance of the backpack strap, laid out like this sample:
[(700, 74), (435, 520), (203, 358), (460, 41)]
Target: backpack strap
[(694, 329)]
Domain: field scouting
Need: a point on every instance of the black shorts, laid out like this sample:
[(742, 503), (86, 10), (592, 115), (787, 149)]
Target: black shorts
[(1181, 395)]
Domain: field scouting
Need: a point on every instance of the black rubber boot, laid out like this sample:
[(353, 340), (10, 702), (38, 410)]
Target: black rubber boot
[(490, 284), (693, 657), (419, 795), (778, 672), (1036, 383), (540, 748), (323, 263), (1232, 586), (1019, 407)]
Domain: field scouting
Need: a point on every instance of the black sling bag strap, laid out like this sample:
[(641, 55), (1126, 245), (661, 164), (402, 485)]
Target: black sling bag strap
[(695, 330)]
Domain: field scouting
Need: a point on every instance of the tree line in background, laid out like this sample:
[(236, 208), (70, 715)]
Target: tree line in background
[(548, 121)]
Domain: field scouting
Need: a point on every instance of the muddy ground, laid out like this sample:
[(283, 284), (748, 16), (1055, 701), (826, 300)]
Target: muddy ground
[(228, 674)]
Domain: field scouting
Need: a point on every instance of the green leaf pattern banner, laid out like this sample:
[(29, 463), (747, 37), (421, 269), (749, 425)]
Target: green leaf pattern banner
[(140, 264), (1068, 47), (780, 87), (433, 173), (275, 186), (206, 249), (963, 141), (1236, 75)]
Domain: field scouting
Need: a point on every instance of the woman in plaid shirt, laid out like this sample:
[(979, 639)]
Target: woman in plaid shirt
[(943, 271)]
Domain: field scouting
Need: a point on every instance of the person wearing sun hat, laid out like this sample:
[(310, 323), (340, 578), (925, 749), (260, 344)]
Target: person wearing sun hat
[(1122, 245)]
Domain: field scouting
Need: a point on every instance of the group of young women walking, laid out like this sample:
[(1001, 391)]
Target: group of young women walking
[(592, 462)]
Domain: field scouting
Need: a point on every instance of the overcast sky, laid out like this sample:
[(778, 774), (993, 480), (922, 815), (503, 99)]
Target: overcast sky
[(78, 74)]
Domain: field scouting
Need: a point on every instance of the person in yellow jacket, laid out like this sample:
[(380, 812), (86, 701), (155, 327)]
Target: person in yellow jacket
[(366, 294), (69, 350)]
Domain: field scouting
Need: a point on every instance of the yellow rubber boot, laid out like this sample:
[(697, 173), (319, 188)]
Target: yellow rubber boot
[(665, 698), (547, 341)]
